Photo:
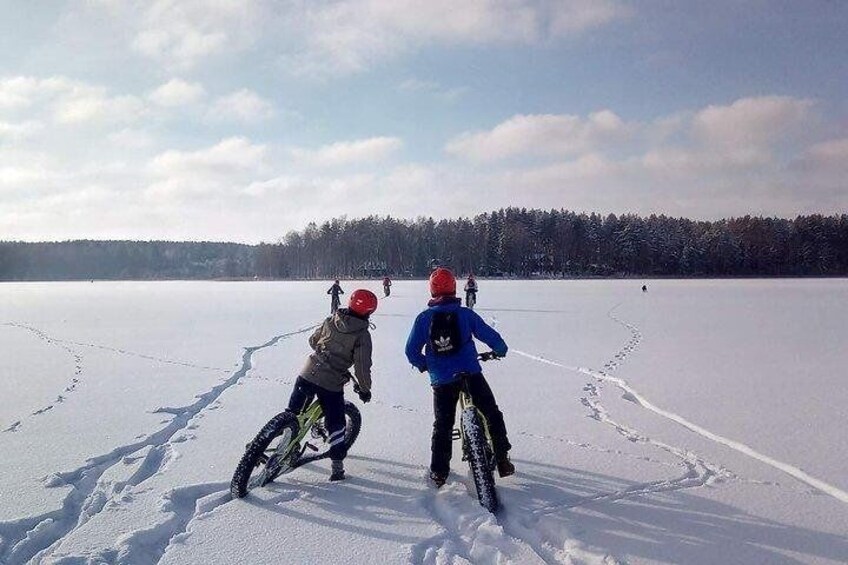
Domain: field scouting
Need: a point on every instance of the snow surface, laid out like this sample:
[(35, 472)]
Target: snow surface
[(700, 422)]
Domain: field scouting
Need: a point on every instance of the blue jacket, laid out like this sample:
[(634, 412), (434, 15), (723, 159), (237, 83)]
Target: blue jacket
[(443, 369)]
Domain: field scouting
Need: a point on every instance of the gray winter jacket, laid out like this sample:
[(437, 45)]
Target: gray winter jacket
[(342, 341)]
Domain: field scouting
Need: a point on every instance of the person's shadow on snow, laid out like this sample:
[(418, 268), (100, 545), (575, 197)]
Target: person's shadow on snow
[(359, 504), (668, 525)]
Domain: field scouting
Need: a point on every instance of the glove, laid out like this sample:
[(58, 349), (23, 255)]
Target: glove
[(364, 395)]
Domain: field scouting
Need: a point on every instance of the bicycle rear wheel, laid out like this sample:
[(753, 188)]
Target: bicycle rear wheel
[(480, 458), (270, 454)]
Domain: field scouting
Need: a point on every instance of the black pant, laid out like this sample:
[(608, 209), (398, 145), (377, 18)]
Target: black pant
[(445, 398), (332, 403)]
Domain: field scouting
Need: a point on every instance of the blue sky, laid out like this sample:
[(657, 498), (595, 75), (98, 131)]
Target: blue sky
[(241, 120)]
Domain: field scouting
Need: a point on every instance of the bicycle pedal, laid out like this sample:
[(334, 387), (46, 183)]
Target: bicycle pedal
[(310, 446)]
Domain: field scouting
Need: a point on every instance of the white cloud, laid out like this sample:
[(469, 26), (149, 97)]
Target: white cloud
[(177, 92), (729, 139), (569, 17), (684, 162), (20, 130), (348, 36), (541, 134), (348, 152), (823, 167), (24, 92), (241, 106), (230, 155), (218, 169), (829, 154), (19, 177), (69, 101), (16, 92), (131, 139), (741, 134), (180, 34), (95, 106), (751, 123)]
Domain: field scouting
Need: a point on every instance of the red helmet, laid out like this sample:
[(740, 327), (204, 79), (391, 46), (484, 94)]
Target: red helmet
[(442, 283), (362, 302)]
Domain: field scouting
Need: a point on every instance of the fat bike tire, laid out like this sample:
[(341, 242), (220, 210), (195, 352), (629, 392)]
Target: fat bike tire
[(255, 457), (480, 459), (353, 423)]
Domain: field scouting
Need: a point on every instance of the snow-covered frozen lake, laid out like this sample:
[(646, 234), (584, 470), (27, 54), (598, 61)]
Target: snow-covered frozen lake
[(700, 422)]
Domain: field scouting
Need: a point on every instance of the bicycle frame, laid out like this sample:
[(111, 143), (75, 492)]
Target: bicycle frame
[(305, 420)]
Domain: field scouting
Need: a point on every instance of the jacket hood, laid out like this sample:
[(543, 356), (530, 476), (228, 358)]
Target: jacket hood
[(347, 323)]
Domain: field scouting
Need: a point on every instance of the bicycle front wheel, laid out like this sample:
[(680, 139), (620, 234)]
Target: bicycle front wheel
[(480, 458), (270, 454)]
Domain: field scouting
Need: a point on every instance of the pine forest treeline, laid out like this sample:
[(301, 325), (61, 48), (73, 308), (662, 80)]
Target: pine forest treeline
[(80, 260), (510, 242)]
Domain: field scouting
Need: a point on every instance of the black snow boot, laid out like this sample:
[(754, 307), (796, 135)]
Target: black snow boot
[(505, 466), (438, 479), (338, 473)]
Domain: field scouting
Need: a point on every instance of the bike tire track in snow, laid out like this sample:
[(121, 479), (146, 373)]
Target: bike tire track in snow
[(30, 538), (634, 396), (717, 438), (569, 551), (470, 533), (185, 504)]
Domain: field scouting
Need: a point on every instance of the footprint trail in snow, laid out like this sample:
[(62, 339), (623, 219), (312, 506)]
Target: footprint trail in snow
[(29, 539)]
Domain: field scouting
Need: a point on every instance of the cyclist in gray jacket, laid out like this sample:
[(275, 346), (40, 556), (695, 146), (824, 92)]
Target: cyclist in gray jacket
[(341, 342)]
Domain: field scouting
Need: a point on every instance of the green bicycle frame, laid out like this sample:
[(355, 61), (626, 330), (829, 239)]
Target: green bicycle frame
[(305, 420)]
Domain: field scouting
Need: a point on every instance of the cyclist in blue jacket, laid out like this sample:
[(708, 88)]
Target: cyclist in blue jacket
[(445, 333)]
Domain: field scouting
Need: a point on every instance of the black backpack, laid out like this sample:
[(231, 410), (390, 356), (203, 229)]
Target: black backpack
[(445, 337)]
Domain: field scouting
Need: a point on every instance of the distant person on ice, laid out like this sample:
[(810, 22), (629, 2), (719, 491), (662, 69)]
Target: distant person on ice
[(387, 286), (335, 290), (471, 291), (342, 341), (446, 314), (644, 288)]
